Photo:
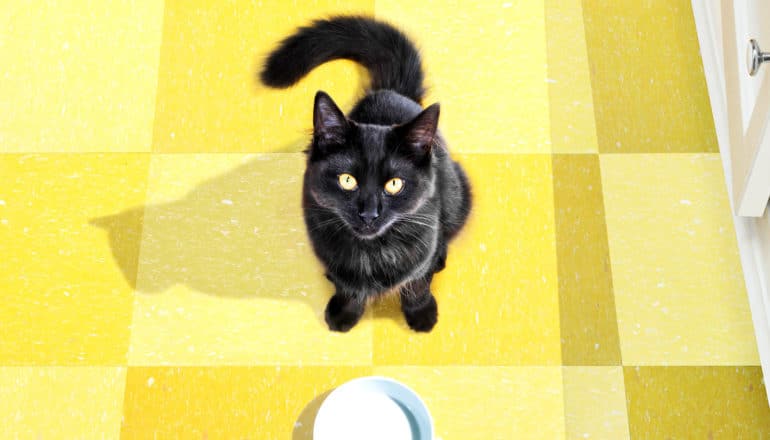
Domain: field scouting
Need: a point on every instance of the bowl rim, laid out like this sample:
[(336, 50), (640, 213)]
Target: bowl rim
[(417, 407)]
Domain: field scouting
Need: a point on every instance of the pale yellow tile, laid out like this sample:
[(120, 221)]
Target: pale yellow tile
[(573, 129), (488, 402), (677, 277), (65, 300), (486, 64), (498, 297), (270, 403), (209, 99), (226, 273), (61, 402), (595, 403), (78, 76)]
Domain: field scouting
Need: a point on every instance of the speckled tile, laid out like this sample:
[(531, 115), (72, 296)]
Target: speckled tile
[(595, 403), (589, 328), (486, 63), (209, 99), (697, 402), (61, 402), (269, 403), (65, 300), (194, 268), (226, 274), (64, 89), (676, 273), (573, 129), (488, 402), (498, 296), (647, 78)]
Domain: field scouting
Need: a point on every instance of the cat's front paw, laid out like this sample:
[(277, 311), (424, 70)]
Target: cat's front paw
[(342, 313), (424, 318)]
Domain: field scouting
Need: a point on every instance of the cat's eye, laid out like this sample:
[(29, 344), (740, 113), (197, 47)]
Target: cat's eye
[(394, 186), (348, 182)]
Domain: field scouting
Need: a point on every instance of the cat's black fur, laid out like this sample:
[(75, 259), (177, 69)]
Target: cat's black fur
[(371, 241)]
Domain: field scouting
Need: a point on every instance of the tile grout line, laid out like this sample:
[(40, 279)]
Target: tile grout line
[(158, 79)]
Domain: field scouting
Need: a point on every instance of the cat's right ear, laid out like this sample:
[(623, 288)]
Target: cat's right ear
[(419, 133), (329, 123)]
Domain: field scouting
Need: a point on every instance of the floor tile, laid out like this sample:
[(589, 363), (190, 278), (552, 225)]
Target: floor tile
[(64, 89), (649, 91), (697, 402), (589, 328), (209, 99), (61, 402), (65, 300), (573, 129), (486, 63), (595, 403), (233, 402), (498, 297), (488, 402), (226, 273), (676, 272)]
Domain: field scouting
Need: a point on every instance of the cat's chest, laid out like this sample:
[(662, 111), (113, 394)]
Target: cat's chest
[(388, 263), (392, 258)]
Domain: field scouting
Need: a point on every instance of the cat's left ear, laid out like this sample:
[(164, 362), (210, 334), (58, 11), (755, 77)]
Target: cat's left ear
[(418, 134)]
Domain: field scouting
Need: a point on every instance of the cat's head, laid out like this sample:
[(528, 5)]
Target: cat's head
[(370, 176)]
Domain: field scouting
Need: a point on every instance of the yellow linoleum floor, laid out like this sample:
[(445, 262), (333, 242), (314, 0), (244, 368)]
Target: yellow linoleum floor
[(157, 281)]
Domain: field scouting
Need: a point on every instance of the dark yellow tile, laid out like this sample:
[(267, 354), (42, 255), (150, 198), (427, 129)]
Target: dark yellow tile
[(208, 96), (66, 301), (573, 129), (589, 329), (61, 402), (649, 92), (78, 76), (227, 402), (697, 402), (498, 297)]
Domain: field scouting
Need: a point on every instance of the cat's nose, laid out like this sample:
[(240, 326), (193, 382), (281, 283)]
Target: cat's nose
[(369, 215)]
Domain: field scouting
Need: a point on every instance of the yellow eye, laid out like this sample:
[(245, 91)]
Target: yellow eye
[(348, 182), (394, 186)]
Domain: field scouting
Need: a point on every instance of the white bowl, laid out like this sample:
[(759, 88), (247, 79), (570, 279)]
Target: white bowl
[(373, 408)]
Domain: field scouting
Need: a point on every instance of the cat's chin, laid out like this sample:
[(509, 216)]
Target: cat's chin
[(370, 232)]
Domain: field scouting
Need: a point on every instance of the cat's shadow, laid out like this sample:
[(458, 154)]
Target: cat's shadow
[(237, 235), (303, 427)]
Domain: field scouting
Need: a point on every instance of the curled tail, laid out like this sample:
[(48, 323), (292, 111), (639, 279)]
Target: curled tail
[(391, 59)]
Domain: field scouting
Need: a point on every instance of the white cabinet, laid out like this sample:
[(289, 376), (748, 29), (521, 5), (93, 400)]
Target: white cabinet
[(740, 103)]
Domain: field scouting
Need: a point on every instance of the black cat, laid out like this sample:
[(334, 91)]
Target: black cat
[(381, 196)]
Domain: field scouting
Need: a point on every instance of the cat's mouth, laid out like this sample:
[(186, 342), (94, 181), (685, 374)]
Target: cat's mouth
[(371, 230)]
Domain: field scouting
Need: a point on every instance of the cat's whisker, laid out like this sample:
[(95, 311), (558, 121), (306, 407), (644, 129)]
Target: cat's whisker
[(325, 223)]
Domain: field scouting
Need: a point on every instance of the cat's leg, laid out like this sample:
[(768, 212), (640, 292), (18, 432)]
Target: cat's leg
[(344, 310), (419, 305), (439, 260)]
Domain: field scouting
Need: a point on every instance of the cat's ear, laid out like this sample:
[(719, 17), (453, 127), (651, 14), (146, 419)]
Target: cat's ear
[(329, 123), (418, 134)]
